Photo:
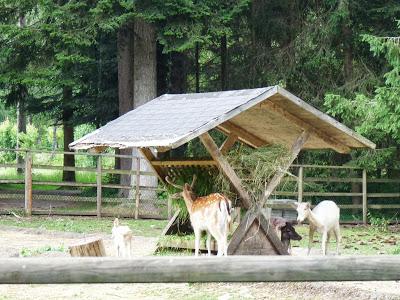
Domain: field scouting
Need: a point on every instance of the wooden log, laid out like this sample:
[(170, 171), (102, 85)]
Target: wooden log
[(137, 189), (28, 184), (99, 188), (300, 188), (224, 166), (276, 179), (243, 135), (228, 143), (88, 248), (201, 269), (364, 197)]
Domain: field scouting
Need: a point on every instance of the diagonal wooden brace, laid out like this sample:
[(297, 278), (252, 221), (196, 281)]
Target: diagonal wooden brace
[(294, 152), (226, 168)]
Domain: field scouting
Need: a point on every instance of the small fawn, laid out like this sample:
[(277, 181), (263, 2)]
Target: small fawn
[(210, 213), (122, 238)]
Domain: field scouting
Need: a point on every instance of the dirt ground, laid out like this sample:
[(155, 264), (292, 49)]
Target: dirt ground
[(14, 240)]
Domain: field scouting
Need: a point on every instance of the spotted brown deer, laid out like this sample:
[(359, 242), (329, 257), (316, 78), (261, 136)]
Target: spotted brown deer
[(210, 213)]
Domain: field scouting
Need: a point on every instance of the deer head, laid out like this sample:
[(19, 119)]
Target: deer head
[(187, 192)]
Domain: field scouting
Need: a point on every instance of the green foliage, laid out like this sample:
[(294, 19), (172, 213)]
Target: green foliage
[(27, 252), (255, 167), (379, 223), (85, 225)]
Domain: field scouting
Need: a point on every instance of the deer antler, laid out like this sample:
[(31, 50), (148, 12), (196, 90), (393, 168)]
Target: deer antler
[(173, 184), (193, 181)]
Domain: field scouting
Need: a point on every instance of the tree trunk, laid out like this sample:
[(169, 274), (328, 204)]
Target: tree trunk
[(145, 85), (69, 159), (21, 127), (125, 42), (21, 116), (178, 85), (224, 63), (197, 66)]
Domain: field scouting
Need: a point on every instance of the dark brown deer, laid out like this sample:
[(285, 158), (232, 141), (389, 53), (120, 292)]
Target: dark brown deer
[(210, 213)]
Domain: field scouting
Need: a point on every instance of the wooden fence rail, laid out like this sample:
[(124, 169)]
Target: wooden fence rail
[(303, 180), (203, 269), (99, 171)]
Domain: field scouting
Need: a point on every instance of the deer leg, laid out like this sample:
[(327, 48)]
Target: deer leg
[(324, 240), (338, 238), (219, 238), (330, 233), (197, 235), (310, 239), (209, 243)]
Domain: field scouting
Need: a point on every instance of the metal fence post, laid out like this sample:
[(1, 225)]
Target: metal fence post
[(98, 183), (28, 184), (137, 187), (364, 196), (300, 185)]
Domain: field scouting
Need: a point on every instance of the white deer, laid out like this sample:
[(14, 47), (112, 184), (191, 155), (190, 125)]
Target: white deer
[(122, 238), (210, 213), (323, 218)]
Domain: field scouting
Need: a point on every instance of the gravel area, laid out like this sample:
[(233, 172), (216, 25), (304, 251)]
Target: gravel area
[(14, 240)]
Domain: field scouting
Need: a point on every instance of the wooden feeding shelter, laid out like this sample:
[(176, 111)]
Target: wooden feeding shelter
[(255, 117)]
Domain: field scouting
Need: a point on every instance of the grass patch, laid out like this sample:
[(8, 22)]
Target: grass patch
[(27, 252), (356, 240), (85, 224)]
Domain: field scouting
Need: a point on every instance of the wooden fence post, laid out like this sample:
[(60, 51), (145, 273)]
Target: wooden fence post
[(137, 187), (300, 185), (364, 196), (28, 184), (98, 183), (169, 208)]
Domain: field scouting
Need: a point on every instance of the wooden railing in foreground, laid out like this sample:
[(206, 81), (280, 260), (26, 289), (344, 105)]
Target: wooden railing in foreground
[(203, 269)]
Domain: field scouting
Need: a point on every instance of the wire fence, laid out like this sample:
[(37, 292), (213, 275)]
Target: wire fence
[(43, 185), (37, 186)]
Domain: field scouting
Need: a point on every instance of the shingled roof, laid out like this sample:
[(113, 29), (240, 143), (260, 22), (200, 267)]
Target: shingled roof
[(258, 116)]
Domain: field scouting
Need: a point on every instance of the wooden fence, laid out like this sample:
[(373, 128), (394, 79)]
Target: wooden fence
[(301, 193), (99, 170), (363, 180), (201, 269)]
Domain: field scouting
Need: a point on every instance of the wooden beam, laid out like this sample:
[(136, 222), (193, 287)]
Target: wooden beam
[(332, 142), (224, 166), (243, 135), (199, 269), (276, 179), (146, 152), (228, 143), (184, 163)]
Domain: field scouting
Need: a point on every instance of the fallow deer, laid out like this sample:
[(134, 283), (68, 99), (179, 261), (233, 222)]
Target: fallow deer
[(210, 213)]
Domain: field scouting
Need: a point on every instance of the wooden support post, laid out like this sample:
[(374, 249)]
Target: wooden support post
[(364, 196), (169, 208), (276, 179), (300, 185), (224, 166), (28, 184), (146, 152), (137, 196), (98, 184), (228, 143)]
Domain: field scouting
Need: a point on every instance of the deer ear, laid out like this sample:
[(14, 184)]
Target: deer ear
[(187, 187), (308, 205)]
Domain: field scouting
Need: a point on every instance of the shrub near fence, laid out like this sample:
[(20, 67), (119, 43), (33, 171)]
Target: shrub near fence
[(96, 191)]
